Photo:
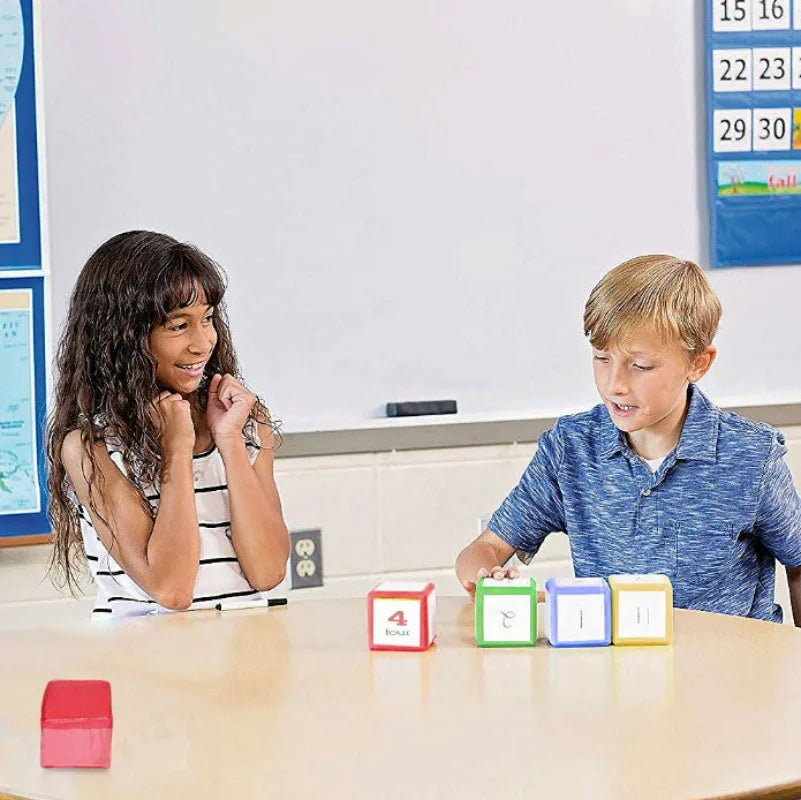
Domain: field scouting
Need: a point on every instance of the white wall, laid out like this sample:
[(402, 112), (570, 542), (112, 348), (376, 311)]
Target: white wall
[(412, 199), (404, 514)]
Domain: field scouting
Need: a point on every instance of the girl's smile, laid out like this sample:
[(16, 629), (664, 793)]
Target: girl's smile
[(193, 370)]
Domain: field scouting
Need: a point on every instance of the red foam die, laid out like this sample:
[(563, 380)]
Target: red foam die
[(76, 724), (401, 615)]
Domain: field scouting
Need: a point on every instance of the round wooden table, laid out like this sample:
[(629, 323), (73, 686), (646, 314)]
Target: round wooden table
[(290, 703)]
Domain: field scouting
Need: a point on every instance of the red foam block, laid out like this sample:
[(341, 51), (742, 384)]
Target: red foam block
[(76, 724)]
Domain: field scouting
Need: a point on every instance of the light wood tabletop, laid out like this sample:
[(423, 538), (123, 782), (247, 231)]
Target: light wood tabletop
[(290, 703)]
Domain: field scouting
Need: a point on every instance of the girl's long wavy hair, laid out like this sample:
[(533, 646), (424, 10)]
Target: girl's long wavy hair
[(106, 373)]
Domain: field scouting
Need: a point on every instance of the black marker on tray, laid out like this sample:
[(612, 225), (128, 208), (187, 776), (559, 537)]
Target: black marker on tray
[(257, 602)]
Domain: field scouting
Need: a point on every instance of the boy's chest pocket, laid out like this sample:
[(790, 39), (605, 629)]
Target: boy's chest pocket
[(703, 557)]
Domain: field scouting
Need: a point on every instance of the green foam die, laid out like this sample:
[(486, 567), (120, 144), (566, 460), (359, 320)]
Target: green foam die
[(506, 612)]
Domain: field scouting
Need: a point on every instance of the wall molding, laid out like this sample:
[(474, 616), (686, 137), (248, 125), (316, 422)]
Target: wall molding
[(432, 433)]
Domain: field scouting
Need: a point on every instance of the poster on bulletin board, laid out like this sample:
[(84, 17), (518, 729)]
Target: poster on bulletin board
[(753, 93), (23, 276)]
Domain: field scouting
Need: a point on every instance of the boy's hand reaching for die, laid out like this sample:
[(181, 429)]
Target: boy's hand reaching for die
[(483, 558), (497, 573), (228, 408)]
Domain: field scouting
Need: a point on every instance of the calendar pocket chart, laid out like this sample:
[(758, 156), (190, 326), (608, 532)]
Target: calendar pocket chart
[(753, 94)]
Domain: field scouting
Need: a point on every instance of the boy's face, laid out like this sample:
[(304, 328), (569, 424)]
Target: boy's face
[(183, 345), (643, 381)]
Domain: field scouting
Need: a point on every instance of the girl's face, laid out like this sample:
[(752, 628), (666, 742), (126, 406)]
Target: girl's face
[(183, 345)]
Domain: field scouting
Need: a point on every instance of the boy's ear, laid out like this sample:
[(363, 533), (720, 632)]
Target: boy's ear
[(701, 363)]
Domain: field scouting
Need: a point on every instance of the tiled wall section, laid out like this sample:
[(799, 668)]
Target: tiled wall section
[(403, 513)]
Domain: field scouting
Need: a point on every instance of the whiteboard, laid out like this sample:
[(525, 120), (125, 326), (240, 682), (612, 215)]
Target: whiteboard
[(412, 200)]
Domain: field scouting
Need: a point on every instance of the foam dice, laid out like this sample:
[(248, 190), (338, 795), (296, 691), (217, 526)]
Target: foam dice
[(642, 609), (506, 612), (578, 612), (76, 724), (401, 615)]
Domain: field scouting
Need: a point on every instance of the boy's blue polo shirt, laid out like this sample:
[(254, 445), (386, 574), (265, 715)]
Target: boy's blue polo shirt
[(718, 510)]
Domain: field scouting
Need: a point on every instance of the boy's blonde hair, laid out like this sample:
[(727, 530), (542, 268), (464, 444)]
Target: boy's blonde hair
[(671, 296)]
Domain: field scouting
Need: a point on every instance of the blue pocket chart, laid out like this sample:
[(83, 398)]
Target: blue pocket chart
[(23, 401), (753, 91)]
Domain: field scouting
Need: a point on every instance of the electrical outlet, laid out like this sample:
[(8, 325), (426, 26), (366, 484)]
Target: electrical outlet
[(306, 559)]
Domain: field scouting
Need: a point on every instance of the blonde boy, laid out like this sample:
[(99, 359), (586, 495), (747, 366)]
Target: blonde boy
[(656, 478)]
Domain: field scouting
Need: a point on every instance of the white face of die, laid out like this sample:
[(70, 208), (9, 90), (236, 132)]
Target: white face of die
[(580, 617), (396, 622), (641, 615), (507, 618)]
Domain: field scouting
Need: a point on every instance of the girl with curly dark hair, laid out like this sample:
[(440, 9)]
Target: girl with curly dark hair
[(161, 461)]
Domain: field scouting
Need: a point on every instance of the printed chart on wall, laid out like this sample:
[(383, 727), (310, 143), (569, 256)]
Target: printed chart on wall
[(753, 80), (19, 482), (22, 284)]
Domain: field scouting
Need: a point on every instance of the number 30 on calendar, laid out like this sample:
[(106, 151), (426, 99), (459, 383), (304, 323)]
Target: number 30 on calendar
[(773, 129), (756, 15)]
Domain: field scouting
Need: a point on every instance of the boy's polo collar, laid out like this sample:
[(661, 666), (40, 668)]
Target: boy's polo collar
[(614, 439), (699, 436)]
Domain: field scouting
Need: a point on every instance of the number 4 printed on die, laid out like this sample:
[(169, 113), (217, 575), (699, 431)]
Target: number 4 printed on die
[(398, 619)]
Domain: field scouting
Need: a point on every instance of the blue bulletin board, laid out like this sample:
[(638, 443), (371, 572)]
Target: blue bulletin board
[(753, 92), (23, 285)]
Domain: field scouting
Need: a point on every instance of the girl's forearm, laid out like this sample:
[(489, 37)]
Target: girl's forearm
[(173, 550), (259, 534)]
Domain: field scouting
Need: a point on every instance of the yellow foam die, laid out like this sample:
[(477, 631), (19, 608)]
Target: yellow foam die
[(642, 609)]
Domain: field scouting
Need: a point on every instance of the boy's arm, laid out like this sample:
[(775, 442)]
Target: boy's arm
[(531, 511), (482, 558), (794, 584), (778, 518)]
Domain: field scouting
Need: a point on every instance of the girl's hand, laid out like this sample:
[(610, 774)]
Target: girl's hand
[(173, 417), (228, 408)]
